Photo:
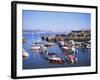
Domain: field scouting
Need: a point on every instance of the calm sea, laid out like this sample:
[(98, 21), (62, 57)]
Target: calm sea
[(36, 60)]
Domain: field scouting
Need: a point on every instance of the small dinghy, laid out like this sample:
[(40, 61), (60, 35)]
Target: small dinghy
[(53, 58)]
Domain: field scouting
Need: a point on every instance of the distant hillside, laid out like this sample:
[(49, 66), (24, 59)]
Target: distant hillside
[(42, 32)]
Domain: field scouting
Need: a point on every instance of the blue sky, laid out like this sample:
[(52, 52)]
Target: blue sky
[(55, 21)]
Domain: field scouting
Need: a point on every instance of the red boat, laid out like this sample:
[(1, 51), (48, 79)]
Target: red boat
[(53, 58), (71, 59)]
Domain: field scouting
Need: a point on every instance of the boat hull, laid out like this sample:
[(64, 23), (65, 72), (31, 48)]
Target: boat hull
[(56, 61), (71, 59)]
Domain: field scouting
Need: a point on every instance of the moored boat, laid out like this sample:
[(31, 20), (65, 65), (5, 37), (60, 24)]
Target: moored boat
[(61, 43), (69, 49), (53, 58), (65, 48), (24, 53), (48, 44), (88, 46), (71, 59), (35, 47)]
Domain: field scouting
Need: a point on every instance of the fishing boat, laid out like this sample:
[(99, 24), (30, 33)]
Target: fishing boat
[(53, 58), (24, 53), (71, 59)]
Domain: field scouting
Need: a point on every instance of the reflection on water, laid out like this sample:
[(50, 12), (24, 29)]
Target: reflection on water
[(37, 60)]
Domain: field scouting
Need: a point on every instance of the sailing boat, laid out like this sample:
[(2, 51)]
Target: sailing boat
[(35, 45)]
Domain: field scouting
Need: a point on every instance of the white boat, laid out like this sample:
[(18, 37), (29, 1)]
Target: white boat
[(88, 46), (25, 54), (48, 44), (69, 50), (73, 49), (72, 42), (65, 48), (61, 43), (53, 58), (35, 47)]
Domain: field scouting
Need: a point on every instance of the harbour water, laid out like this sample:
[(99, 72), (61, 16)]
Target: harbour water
[(37, 61)]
